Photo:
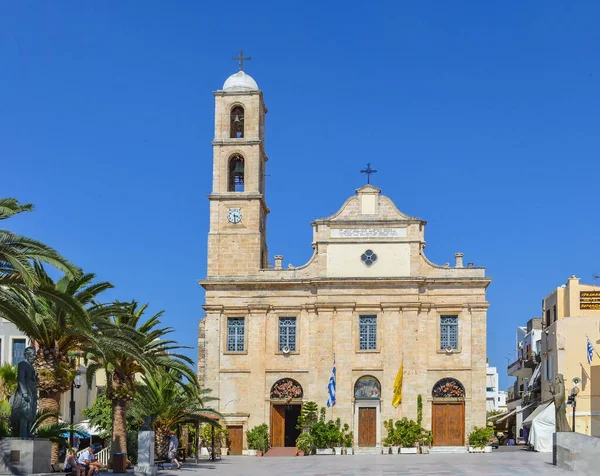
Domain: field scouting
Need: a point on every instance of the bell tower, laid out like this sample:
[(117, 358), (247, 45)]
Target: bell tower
[(238, 211)]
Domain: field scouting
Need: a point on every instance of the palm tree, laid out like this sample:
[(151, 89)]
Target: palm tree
[(17, 252), (141, 351), (8, 381), (171, 403), (18, 277), (58, 335)]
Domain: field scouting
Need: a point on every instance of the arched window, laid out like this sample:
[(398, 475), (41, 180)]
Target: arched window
[(236, 174), (448, 388), (286, 389), (236, 123), (367, 387)]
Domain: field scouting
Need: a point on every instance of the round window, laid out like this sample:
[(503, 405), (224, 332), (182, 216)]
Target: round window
[(368, 258)]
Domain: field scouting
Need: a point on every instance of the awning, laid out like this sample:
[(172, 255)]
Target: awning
[(87, 428), (540, 408), (527, 406), (504, 416), (80, 433)]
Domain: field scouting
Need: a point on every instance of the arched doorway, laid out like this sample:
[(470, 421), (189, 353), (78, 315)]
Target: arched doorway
[(448, 413), (367, 401), (286, 403)]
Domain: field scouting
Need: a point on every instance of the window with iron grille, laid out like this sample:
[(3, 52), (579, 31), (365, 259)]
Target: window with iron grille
[(367, 332), (235, 334), (287, 333), (448, 332)]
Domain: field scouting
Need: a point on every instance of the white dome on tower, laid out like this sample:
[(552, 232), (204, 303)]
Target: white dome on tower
[(240, 81)]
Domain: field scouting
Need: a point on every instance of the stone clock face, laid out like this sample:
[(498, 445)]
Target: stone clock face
[(234, 215)]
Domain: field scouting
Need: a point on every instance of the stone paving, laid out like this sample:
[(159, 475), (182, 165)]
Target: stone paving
[(516, 463)]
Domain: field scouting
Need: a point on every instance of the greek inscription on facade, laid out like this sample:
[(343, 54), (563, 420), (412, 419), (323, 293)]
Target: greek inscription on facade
[(368, 232)]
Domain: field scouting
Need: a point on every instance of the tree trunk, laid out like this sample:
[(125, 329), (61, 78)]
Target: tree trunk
[(163, 437), (50, 401), (119, 432)]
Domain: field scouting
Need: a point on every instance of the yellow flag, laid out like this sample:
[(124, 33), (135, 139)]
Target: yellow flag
[(398, 388)]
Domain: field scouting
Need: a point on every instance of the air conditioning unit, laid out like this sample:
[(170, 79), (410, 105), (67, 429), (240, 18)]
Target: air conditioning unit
[(285, 349)]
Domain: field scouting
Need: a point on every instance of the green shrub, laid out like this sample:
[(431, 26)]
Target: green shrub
[(325, 435), (479, 437), (306, 443), (390, 438), (406, 433), (419, 410), (346, 436), (308, 415), (221, 435), (258, 438)]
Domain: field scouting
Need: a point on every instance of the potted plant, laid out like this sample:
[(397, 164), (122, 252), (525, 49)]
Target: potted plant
[(346, 439), (390, 439), (425, 441), (349, 442), (407, 433), (305, 444), (339, 437), (258, 439), (220, 435), (223, 434), (326, 435), (247, 452), (478, 439)]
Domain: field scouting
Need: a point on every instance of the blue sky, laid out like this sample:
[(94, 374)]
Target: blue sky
[(481, 117)]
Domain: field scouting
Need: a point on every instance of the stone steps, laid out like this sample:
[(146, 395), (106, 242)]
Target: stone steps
[(281, 451), (448, 449), (367, 450)]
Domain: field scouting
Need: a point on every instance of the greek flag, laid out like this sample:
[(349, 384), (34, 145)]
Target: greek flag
[(331, 387), (590, 351)]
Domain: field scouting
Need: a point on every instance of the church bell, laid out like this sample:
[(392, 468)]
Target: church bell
[(238, 171)]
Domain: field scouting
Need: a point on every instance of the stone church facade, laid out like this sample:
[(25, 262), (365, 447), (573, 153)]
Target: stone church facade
[(368, 296)]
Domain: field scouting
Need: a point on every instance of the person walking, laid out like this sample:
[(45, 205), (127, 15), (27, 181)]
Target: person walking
[(173, 446)]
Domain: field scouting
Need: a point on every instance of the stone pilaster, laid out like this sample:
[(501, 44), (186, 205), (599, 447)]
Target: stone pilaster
[(343, 340), (412, 354), (212, 333), (391, 348), (478, 367), (257, 348), (202, 353)]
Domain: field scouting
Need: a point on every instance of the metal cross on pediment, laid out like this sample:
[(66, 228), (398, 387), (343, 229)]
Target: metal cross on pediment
[(241, 58), (368, 171)]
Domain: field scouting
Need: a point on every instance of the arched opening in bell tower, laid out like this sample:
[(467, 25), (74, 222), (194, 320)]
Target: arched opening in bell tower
[(236, 123), (236, 174)]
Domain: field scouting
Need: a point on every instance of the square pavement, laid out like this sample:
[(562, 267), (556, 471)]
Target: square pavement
[(505, 461)]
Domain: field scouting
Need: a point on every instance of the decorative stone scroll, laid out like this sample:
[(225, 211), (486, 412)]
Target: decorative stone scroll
[(448, 388), (286, 389), (368, 232)]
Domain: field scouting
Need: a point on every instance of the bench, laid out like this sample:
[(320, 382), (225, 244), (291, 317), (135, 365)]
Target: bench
[(160, 463), (59, 468)]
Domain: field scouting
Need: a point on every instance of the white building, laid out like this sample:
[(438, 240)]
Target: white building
[(495, 399)]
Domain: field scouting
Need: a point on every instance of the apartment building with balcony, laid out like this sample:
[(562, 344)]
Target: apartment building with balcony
[(571, 316), (524, 395)]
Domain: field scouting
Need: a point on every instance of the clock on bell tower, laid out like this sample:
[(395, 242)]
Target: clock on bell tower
[(238, 211)]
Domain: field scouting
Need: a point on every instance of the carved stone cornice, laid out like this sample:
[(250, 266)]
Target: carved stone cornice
[(258, 308), (213, 308), (478, 306)]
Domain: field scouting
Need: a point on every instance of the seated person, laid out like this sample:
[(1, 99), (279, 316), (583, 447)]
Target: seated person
[(72, 465), (88, 461)]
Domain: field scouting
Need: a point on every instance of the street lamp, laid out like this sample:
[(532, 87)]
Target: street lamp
[(573, 401), (75, 384)]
